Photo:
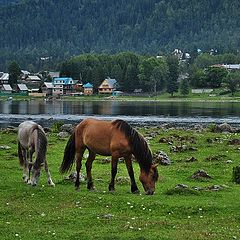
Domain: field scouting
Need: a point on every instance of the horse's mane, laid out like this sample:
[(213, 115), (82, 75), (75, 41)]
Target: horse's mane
[(139, 145), (41, 147)]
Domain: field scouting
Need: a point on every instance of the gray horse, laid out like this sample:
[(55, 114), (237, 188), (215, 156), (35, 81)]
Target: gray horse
[(32, 138)]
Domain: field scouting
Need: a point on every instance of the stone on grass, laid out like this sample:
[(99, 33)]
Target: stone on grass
[(161, 158), (201, 174)]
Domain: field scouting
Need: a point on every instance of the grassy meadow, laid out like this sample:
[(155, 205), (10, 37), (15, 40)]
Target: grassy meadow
[(43, 212)]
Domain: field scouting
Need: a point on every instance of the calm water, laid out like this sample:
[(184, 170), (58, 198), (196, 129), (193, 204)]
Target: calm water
[(13, 112)]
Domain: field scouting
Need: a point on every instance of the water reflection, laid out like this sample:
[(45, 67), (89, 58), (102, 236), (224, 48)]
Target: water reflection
[(179, 109)]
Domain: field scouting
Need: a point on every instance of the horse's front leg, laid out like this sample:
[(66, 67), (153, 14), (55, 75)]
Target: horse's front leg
[(88, 164), (25, 166), (128, 162), (50, 181), (113, 173)]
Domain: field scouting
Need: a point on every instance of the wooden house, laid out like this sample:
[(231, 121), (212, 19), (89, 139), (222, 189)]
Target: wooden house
[(107, 86), (6, 88), (63, 86), (47, 88), (88, 89), (4, 78), (22, 88)]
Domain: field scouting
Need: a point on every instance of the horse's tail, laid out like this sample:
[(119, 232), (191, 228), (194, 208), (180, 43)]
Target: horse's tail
[(20, 155), (69, 154)]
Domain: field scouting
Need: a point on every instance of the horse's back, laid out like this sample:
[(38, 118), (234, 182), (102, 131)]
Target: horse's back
[(25, 131), (100, 136)]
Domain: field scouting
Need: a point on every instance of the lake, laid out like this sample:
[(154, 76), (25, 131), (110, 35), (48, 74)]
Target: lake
[(138, 112)]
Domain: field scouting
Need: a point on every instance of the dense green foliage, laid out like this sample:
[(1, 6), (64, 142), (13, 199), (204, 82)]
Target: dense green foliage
[(45, 32), (43, 212)]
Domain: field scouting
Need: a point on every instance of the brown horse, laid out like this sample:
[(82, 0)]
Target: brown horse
[(116, 139)]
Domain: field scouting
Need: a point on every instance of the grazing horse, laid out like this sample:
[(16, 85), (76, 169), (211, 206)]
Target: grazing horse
[(32, 138), (117, 139)]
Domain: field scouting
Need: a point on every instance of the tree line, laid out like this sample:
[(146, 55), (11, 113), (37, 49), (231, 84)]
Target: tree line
[(41, 33), (152, 74)]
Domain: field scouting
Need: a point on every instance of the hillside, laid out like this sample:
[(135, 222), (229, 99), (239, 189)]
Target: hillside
[(61, 28)]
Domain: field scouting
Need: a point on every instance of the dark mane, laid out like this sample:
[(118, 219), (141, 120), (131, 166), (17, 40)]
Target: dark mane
[(139, 145), (41, 149)]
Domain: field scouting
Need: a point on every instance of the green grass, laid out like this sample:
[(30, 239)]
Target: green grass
[(43, 212)]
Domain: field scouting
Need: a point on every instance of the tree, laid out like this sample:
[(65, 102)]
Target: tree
[(184, 87), (215, 76), (232, 81), (14, 73), (153, 73), (172, 84)]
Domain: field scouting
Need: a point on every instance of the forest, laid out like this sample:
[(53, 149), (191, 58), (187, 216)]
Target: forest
[(40, 34)]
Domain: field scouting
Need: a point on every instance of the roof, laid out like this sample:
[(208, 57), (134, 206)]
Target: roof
[(33, 78), (66, 80), (88, 85), (22, 87), (7, 87), (25, 72), (54, 74), (48, 84), (5, 76), (110, 82)]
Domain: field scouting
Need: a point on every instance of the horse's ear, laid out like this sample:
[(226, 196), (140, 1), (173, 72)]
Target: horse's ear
[(155, 165)]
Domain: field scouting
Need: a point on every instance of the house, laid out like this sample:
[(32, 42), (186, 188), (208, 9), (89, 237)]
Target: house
[(24, 74), (107, 86), (6, 88), (47, 88), (63, 86), (33, 78), (53, 75), (229, 67), (4, 78), (22, 88), (88, 89)]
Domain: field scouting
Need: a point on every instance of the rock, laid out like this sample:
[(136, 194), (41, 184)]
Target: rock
[(63, 134), (5, 147), (215, 188), (191, 159), (67, 128), (123, 180), (47, 129), (73, 176), (181, 186), (224, 127), (201, 174), (161, 158), (235, 141)]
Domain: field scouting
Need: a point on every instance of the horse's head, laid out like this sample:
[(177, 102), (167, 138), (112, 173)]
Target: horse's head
[(148, 179), (35, 176)]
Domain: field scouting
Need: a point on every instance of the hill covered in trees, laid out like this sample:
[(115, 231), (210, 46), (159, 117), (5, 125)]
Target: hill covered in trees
[(40, 33)]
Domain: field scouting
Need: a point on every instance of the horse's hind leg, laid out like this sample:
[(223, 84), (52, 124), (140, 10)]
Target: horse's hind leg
[(128, 161), (50, 181), (88, 164), (79, 155)]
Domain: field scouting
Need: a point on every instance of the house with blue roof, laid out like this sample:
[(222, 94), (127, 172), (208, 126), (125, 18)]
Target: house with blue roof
[(88, 89), (63, 85)]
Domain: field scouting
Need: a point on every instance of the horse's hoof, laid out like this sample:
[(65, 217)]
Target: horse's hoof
[(136, 192), (52, 185)]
